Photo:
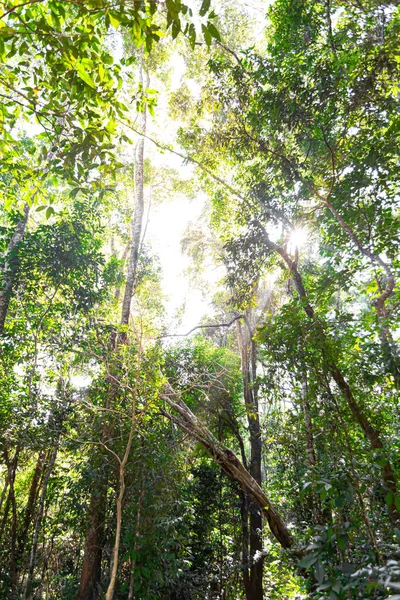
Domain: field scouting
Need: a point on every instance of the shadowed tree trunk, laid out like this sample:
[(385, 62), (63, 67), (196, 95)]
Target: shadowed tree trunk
[(30, 509), (28, 592), (12, 465), (7, 279), (253, 580)]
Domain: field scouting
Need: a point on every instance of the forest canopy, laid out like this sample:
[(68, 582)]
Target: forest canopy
[(199, 300)]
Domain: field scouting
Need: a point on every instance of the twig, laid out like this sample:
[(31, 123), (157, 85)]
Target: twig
[(212, 326)]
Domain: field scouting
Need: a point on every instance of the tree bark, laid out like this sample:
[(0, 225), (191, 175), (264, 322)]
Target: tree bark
[(91, 567), (254, 588), (12, 470), (30, 508), (120, 497), (8, 280), (138, 215), (311, 456), (32, 560), (136, 543)]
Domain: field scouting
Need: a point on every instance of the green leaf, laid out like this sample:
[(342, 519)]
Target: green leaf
[(114, 21), (205, 5), (308, 561), (206, 35), (84, 75), (213, 31), (176, 28), (343, 541), (7, 31), (192, 35), (319, 572), (49, 212), (304, 489), (389, 499)]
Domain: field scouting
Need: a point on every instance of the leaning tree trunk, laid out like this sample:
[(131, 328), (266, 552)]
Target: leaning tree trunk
[(91, 567), (7, 279), (228, 462), (368, 429)]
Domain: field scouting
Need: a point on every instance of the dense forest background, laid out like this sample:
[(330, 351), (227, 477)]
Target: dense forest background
[(233, 431)]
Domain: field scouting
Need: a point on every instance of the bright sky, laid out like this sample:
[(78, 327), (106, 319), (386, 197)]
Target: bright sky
[(169, 220)]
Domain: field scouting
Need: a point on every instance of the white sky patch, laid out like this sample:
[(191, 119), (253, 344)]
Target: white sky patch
[(167, 224)]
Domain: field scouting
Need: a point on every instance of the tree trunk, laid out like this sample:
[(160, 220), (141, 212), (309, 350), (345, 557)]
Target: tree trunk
[(120, 497), (311, 455), (4, 492), (8, 281), (30, 507), (136, 542), (138, 215), (244, 515), (12, 470), (91, 567), (229, 463), (254, 588), (28, 592)]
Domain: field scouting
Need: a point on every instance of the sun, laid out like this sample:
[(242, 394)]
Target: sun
[(297, 239)]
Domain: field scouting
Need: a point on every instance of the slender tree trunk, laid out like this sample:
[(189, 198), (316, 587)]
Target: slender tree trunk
[(4, 492), (136, 542), (91, 567), (32, 560), (311, 454), (8, 281), (12, 470), (120, 497), (137, 217), (244, 515), (30, 507), (368, 429), (254, 589), (5, 515)]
